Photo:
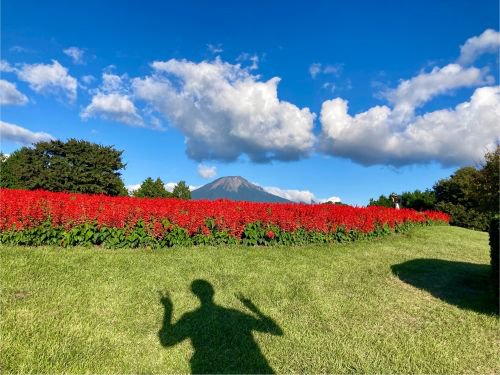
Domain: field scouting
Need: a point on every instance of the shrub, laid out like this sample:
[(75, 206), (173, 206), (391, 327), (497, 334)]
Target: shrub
[(494, 244)]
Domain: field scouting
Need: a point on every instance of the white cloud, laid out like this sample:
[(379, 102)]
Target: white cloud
[(215, 48), (456, 136), (115, 107), (88, 79), (333, 199), (413, 93), (224, 111), (6, 67), (316, 68), (18, 134), (50, 78), (112, 83), (254, 59), (487, 42), (112, 101), (9, 95), (299, 196), (170, 186), (395, 135), (132, 188), (207, 172), (76, 54), (304, 196)]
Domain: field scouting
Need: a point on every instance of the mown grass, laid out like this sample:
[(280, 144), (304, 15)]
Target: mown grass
[(416, 303)]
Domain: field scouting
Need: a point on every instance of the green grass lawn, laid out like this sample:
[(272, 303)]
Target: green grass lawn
[(416, 303)]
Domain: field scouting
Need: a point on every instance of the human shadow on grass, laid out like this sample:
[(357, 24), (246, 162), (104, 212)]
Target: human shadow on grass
[(221, 337), (466, 285)]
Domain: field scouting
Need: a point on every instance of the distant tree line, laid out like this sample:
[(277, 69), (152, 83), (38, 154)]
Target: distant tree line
[(470, 195), (76, 166)]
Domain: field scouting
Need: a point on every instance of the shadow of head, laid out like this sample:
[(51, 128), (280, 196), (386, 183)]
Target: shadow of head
[(203, 290), (466, 285)]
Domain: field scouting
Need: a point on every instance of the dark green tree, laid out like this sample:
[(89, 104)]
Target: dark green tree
[(181, 191), (73, 166), (152, 189), (487, 183), (418, 200), (381, 201)]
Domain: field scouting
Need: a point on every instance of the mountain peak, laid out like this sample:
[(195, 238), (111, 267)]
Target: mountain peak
[(232, 183), (235, 188)]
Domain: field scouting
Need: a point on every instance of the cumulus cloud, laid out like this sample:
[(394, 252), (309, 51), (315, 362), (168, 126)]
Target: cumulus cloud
[(394, 134), (18, 134), (50, 78), (76, 54), (456, 136), (299, 196), (224, 111), (206, 171), (333, 199), (9, 95), (112, 101), (114, 107), (487, 42), (413, 93)]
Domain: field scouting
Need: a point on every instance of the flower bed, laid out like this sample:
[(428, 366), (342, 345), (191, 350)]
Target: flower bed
[(41, 217)]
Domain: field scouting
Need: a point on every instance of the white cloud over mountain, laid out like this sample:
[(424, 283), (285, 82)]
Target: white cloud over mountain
[(206, 171), (225, 112)]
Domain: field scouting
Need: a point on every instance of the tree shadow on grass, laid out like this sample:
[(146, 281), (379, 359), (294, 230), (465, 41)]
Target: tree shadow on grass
[(466, 285), (221, 337)]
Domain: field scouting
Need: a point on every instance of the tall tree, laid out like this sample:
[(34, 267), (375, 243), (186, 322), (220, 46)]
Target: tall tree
[(181, 191), (487, 182), (74, 166), (152, 189)]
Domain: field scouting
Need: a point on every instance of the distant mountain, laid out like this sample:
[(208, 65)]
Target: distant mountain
[(235, 188)]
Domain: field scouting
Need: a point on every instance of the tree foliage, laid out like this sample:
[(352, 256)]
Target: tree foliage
[(181, 191), (470, 195), (73, 166), (152, 189), (382, 201)]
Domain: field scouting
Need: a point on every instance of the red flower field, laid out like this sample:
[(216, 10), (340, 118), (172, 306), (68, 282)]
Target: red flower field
[(23, 209)]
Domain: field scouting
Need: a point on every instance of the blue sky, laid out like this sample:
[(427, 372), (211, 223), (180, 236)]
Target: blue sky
[(370, 97)]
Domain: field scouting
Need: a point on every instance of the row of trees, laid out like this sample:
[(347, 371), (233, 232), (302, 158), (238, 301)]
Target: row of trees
[(76, 166), (156, 189), (470, 195)]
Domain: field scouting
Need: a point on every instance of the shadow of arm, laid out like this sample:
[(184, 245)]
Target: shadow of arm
[(171, 334), (263, 323)]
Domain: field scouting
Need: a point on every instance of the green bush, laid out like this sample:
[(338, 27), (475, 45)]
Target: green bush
[(165, 234), (494, 229), (465, 217)]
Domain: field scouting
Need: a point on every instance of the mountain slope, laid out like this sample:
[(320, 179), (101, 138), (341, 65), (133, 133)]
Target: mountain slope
[(235, 188)]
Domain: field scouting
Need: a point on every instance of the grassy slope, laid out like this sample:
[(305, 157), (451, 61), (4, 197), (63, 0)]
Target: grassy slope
[(341, 308)]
